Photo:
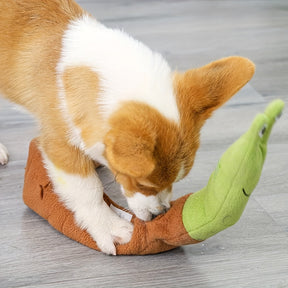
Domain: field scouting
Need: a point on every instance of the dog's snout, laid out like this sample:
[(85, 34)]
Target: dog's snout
[(146, 207)]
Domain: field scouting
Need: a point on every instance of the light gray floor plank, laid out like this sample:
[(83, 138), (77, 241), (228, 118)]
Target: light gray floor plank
[(254, 252)]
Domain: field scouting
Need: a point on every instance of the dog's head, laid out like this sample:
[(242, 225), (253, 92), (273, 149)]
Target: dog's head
[(148, 153)]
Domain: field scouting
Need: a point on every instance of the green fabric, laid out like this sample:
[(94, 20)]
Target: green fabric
[(221, 203)]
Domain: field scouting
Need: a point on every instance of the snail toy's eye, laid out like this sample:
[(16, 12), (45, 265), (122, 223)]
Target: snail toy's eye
[(262, 130)]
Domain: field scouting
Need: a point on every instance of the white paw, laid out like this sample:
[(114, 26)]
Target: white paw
[(145, 207), (108, 229), (121, 230), (84, 197), (3, 155)]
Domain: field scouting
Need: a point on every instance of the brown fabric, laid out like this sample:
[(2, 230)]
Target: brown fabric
[(163, 233)]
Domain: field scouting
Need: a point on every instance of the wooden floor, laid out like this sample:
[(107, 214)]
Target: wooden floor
[(254, 252)]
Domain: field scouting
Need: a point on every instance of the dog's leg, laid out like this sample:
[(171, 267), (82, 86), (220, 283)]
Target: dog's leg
[(79, 187), (3, 155)]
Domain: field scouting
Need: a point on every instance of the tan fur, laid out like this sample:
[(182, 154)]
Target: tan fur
[(29, 53), (137, 147), (144, 149), (81, 90), (143, 144)]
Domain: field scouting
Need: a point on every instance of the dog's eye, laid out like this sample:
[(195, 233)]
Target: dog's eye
[(140, 186), (146, 189), (145, 184), (262, 130)]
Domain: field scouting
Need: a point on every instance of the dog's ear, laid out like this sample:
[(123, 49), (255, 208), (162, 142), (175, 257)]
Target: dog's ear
[(205, 89), (130, 152)]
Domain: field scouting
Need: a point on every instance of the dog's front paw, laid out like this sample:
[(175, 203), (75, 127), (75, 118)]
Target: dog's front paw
[(3, 155), (115, 231), (108, 229), (121, 231)]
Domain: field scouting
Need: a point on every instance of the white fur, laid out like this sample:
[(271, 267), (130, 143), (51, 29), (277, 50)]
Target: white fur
[(181, 173), (96, 153), (3, 155), (128, 70), (84, 197), (145, 207)]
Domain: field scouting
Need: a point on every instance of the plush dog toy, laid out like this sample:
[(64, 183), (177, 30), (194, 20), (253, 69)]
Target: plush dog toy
[(191, 218)]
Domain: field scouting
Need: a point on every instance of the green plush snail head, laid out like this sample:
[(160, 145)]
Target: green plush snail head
[(221, 203), (241, 165)]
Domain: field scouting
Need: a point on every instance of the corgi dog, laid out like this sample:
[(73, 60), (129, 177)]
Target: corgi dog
[(101, 96)]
